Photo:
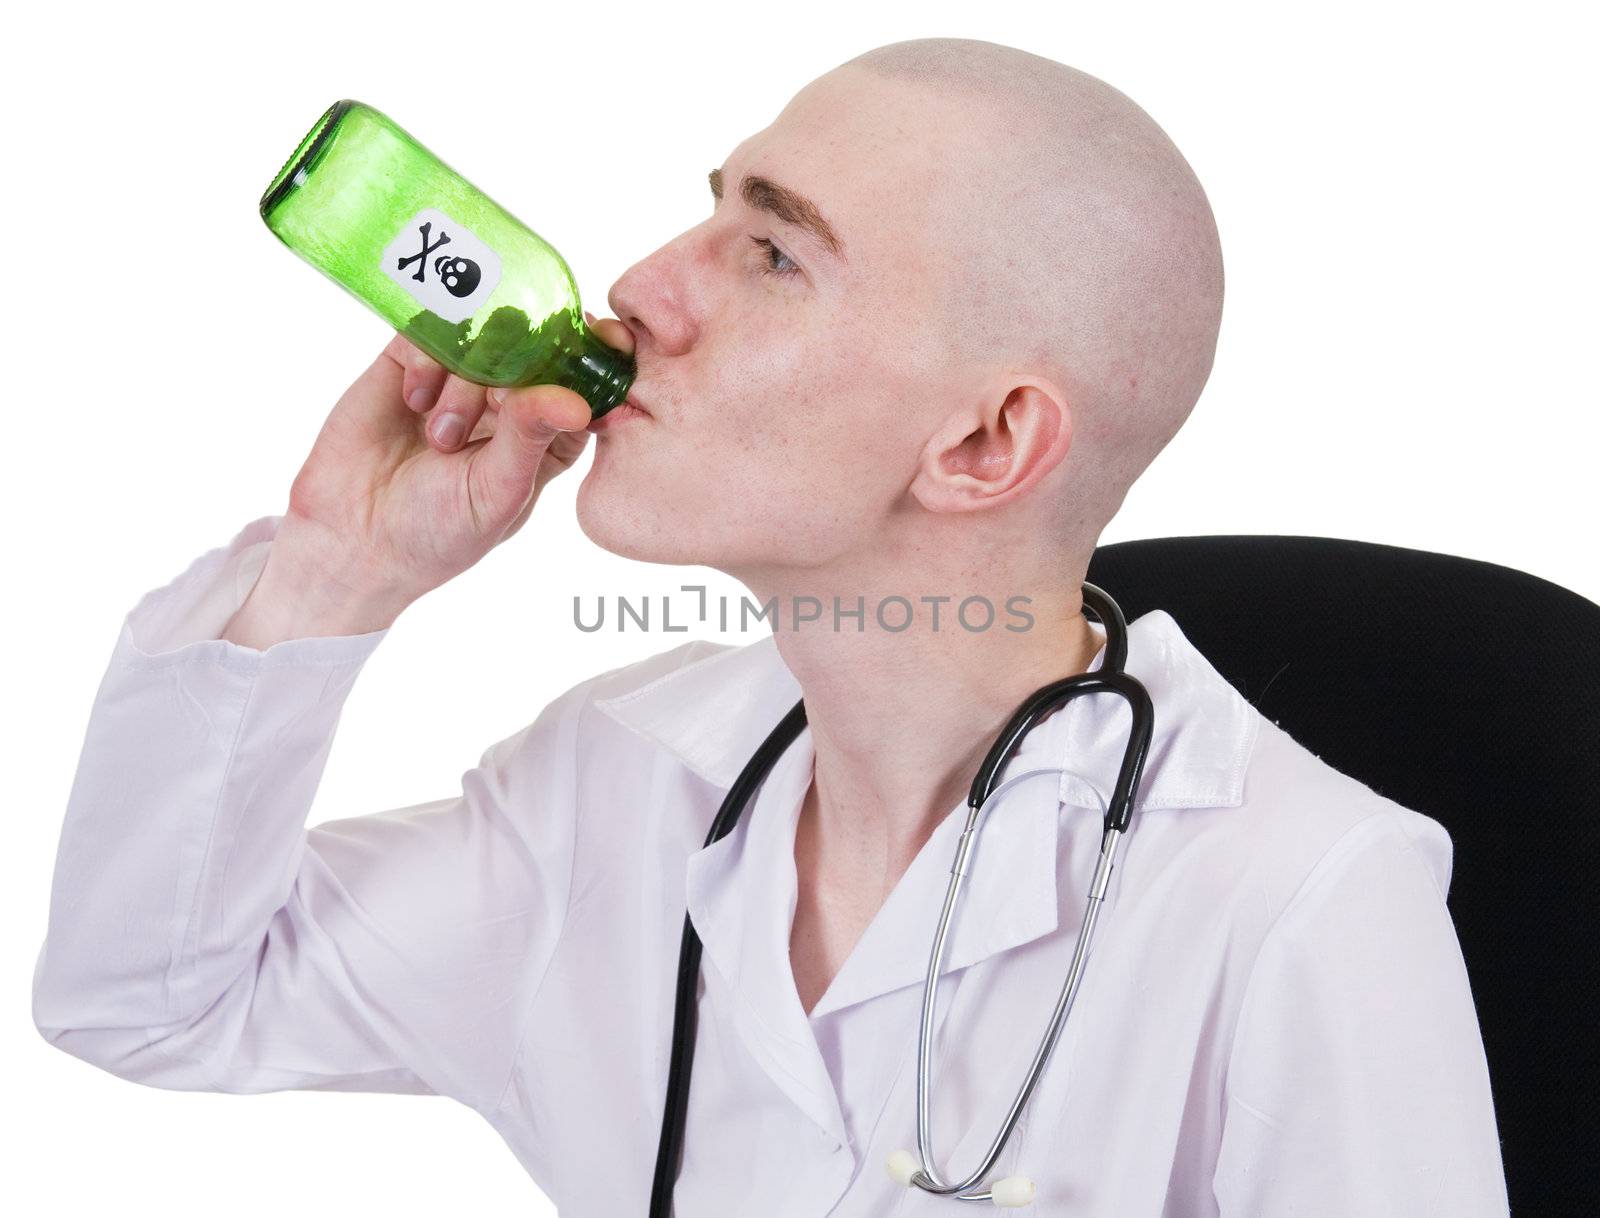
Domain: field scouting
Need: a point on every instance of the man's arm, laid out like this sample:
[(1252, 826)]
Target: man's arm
[(200, 938), (1357, 1083)]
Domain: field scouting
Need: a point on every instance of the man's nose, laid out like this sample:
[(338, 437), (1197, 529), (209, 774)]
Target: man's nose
[(660, 298)]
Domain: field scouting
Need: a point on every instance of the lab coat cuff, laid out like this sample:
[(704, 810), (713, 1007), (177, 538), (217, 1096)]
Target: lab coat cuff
[(180, 622)]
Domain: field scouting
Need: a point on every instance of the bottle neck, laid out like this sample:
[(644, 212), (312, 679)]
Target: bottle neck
[(598, 371)]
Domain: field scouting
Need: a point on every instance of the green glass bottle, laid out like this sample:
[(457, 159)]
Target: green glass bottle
[(443, 263)]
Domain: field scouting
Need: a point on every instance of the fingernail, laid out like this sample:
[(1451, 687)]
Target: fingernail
[(447, 430), (497, 395), (421, 397)]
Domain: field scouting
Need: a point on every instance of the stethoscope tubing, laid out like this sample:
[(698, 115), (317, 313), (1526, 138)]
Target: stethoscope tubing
[(927, 1178)]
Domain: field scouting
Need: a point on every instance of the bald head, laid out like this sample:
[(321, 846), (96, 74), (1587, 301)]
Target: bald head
[(1078, 243), (946, 307)]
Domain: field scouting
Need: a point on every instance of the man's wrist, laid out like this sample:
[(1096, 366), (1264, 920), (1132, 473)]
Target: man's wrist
[(297, 599)]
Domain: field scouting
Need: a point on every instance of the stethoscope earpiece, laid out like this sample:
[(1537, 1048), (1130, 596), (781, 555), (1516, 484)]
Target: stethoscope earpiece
[(1011, 1193), (902, 1165)]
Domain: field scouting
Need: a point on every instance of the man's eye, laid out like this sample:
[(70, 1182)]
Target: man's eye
[(767, 265)]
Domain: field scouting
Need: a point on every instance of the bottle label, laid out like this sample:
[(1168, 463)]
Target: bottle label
[(442, 264)]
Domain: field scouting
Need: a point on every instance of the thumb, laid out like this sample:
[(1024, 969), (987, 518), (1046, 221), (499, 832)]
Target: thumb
[(530, 418)]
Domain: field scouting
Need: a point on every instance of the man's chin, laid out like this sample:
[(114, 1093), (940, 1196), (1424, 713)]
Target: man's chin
[(626, 530)]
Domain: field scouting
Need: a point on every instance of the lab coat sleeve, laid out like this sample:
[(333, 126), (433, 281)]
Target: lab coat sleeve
[(1357, 1082), (201, 938)]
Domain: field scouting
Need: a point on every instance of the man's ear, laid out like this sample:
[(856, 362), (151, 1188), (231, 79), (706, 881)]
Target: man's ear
[(993, 451)]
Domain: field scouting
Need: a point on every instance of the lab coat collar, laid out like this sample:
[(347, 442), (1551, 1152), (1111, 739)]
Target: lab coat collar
[(714, 712), (741, 891)]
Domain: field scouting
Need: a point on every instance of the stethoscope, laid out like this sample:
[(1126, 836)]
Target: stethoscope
[(918, 1170)]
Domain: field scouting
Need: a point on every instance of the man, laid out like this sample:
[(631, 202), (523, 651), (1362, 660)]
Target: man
[(946, 309)]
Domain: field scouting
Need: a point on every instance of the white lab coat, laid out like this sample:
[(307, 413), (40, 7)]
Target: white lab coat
[(1275, 1018)]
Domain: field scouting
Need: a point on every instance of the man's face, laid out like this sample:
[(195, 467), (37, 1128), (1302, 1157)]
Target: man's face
[(790, 388)]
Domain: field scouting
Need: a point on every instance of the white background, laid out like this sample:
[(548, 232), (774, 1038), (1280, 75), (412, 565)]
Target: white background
[(1406, 195)]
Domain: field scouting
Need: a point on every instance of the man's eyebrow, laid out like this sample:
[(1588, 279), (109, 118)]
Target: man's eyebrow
[(763, 194)]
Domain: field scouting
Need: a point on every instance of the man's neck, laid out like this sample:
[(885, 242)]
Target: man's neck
[(901, 721)]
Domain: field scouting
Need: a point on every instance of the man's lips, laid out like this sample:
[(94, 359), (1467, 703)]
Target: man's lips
[(630, 408)]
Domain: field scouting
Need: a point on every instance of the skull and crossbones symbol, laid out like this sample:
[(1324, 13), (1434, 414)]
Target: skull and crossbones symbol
[(460, 276)]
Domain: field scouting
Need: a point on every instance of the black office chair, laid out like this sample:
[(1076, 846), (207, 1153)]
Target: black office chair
[(1466, 691)]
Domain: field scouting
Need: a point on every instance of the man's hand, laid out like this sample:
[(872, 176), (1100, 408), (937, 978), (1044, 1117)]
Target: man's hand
[(392, 503)]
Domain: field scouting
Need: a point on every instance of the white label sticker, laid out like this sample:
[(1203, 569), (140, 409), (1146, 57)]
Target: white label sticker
[(442, 264)]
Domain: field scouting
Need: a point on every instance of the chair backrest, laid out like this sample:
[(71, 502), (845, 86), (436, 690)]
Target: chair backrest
[(1466, 691)]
